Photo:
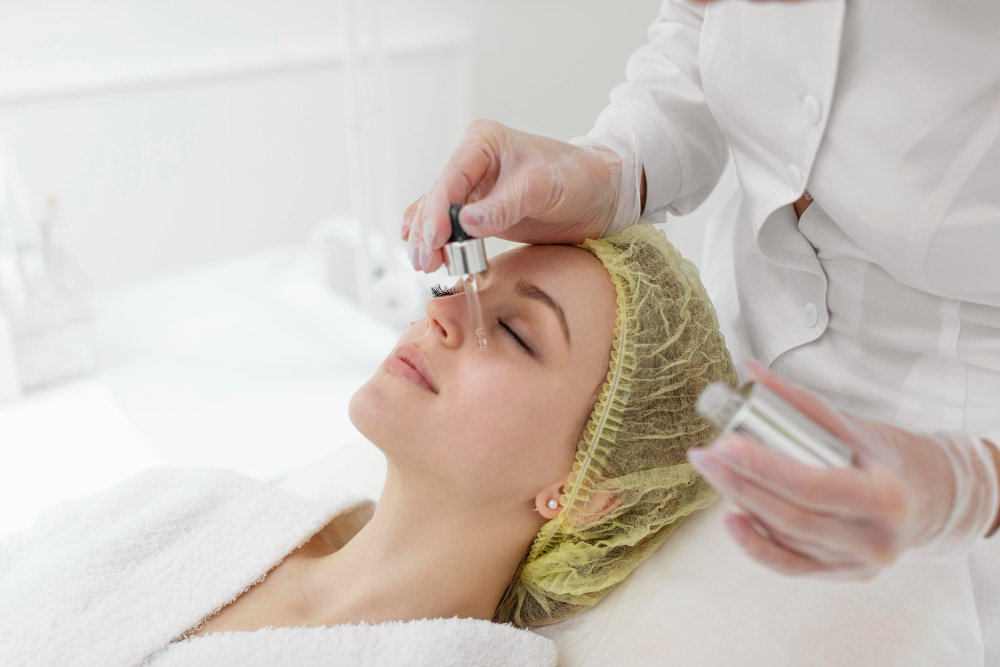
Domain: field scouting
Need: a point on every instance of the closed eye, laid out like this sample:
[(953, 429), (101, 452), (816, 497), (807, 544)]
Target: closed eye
[(515, 337), (438, 291)]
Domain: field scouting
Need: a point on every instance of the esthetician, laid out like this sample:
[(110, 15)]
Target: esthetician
[(860, 259)]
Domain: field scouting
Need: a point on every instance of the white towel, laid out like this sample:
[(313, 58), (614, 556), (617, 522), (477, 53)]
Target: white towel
[(462, 642), (112, 579)]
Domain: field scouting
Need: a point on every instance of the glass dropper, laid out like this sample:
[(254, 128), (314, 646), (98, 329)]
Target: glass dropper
[(475, 307), (465, 256)]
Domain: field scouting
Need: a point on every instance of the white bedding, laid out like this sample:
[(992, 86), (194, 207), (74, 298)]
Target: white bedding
[(699, 600)]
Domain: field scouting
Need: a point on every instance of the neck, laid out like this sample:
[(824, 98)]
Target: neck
[(424, 556)]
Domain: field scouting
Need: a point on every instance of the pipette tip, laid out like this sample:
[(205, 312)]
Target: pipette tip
[(475, 309)]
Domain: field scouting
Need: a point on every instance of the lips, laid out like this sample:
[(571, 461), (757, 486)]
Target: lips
[(408, 362)]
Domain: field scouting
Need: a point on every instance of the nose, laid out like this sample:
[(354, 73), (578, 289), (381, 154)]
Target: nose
[(448, 318)]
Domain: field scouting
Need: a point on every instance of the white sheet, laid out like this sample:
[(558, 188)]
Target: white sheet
[(700, 601), (61, 444)]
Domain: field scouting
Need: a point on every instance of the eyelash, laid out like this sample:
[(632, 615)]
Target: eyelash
[(438, 291), (515, 337)]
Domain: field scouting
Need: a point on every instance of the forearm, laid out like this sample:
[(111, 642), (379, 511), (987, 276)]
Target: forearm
[(677, 141), (642, 192), (995, 452)]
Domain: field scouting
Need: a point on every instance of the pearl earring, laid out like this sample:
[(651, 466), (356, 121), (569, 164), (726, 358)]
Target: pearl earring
[(552, 504), (534, 509)]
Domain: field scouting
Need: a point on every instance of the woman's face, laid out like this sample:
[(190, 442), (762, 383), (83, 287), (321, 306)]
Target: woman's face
[(497, 425)]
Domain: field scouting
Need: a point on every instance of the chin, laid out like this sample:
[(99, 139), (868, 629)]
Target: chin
[(376, 410), (361, 410)]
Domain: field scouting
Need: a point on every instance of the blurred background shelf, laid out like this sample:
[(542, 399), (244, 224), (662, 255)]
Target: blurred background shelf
[(194, 145), (247, 364)]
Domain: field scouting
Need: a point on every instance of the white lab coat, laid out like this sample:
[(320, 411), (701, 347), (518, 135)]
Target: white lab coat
[(885, 297)]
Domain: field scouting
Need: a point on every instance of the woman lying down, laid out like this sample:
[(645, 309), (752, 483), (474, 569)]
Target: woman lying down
[(524, 482)]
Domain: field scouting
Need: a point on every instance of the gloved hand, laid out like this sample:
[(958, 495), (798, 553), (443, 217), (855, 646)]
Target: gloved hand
[(528, 188), (934, 493)]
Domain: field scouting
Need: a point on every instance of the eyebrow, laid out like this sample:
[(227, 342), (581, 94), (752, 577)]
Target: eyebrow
[(530, 291)]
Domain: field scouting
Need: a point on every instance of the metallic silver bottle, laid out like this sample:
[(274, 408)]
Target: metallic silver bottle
[(759, 413)]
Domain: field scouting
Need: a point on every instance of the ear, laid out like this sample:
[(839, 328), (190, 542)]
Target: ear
[(598, 505), (549, 493)]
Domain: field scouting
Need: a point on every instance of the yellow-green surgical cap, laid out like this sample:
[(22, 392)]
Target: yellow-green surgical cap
[(631, 485)]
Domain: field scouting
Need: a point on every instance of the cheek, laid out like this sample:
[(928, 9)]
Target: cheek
[(516, 424)]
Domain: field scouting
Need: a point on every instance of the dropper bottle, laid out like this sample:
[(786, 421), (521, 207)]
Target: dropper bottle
[(465, 256)]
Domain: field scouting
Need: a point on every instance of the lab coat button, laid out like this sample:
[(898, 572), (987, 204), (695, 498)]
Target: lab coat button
[(794, 177), (811, 315), (812, 110)]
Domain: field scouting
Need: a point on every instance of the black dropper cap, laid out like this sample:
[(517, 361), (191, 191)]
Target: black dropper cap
[(457, 233)]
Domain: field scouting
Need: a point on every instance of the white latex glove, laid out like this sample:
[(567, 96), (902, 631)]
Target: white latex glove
[(934, 493), (524, 187)]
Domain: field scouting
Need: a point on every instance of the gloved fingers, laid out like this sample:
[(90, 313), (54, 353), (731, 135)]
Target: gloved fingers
[(433, 259), (452, 187), (509, 201), (849, 492), (472, 219), (408, 215), (771, 553), (766, 551), (521, 187), (479, 190), (859, 435), (415, 236), (423, 257), (544, 190), (409, 256), (436, 260), (823, 537), (476, 158)]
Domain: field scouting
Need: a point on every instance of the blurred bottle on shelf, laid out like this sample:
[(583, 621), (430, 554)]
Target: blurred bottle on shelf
[(10, 284), (10, 385), (46, 302)]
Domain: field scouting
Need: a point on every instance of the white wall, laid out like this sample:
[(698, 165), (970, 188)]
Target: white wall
[(180, 133)]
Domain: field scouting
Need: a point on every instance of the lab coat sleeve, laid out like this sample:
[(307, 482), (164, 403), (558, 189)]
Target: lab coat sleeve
[(677, 139)]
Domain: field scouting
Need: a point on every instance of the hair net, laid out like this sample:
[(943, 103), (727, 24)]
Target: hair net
[(631, 484)]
